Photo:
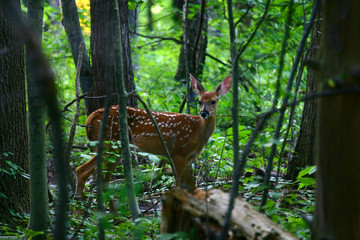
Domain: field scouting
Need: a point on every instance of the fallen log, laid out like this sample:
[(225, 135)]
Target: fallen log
[(204, 219)]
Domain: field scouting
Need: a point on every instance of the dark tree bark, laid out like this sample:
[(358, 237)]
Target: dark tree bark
[(337, 212), (99, 21), (192, 29), (73, 31), (305, 145), (14, 189)]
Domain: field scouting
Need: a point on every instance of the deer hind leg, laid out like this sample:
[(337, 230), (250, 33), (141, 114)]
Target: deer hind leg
[(110, 167), (83, 172)]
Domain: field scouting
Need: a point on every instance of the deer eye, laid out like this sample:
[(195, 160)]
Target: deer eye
[(200, 102), (213, 102)]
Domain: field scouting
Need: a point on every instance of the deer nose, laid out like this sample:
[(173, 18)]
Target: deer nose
[(204, 114)]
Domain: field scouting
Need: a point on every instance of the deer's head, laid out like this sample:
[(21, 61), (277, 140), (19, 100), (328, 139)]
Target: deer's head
[(208, 100)]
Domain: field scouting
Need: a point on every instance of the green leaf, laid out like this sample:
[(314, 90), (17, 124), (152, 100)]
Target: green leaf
[(32, 233), (152, 157), (312, 170), (304, 182), (309, 170), (3, 195)]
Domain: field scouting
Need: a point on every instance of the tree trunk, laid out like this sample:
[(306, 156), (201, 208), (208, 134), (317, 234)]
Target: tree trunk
[(99, 21), (125, 19), (73, 32), (178, 4), (338, 124), (305, 145), (39, 209), (193, 28), (14, 188), (149, 15)]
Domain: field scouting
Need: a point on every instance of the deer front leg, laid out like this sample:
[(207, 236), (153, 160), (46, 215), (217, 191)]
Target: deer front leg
[(184, 172)]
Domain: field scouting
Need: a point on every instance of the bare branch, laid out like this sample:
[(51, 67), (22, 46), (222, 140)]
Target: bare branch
[(158, 37), (243, 16), (66, 108), (218, 60)]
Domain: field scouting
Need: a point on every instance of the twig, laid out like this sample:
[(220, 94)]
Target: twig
[(153, 206), (66, 108), (182, 105), (68, 119), (148, 44)]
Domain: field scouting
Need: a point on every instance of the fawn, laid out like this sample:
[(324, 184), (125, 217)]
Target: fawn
[(185, 135)]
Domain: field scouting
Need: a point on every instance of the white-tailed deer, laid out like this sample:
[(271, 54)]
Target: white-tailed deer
[(185, 135)]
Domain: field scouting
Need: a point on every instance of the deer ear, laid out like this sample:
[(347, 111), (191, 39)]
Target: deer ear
[(224, 86), (196, 85)]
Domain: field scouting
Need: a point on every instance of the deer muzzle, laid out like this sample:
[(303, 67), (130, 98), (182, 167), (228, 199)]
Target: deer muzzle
[(204, 114)]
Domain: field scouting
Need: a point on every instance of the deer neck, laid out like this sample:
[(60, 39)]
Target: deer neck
[(208, 126)]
